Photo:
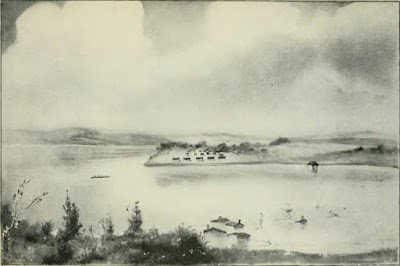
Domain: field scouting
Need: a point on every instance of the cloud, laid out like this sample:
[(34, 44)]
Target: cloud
[(172, 25), (11, 10), (258, 67)]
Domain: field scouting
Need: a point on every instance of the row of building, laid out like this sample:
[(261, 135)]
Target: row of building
[(200, 155)]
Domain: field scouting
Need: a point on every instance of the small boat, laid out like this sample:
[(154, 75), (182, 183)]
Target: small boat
[(101, 176)]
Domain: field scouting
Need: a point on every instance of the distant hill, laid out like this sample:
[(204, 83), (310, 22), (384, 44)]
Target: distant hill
[(86, 136), (79, 136)]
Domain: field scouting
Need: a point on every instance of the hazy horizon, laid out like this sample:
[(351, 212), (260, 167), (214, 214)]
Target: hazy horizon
[(210, 134), (256, 68)]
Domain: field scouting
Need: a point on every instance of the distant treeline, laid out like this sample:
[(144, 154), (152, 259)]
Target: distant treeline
[(279, 141), (223, 147), (380, 148), (244, 147), (379, 155)]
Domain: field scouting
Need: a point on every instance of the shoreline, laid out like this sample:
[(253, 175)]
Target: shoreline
[(385, 255), (150, 164)]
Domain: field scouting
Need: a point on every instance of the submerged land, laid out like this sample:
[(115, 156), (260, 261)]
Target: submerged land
[(40, 243)]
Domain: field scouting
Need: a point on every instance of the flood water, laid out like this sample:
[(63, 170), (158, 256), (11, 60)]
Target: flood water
[(365, 198)]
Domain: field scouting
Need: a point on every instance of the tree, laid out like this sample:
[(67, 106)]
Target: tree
[(135, 221), (63, 250), (72, 225), (47, 228), (201, 144), (108, 226), (12, 218), (380, 148), (245, 147), (279, 141), (222, 148)]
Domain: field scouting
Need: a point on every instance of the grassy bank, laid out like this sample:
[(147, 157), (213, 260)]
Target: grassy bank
[(238, 256), (180, 247)]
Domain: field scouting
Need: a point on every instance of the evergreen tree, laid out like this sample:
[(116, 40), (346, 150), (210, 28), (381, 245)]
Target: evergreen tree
[(72, 225), (135, 221)]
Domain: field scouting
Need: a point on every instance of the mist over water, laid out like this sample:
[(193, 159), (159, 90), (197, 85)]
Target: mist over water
[(366, 198)]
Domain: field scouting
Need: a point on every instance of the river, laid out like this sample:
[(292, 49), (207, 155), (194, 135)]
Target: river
[(366, 198)]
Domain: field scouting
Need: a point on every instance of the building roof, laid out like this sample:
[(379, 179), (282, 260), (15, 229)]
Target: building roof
[(213, 229)]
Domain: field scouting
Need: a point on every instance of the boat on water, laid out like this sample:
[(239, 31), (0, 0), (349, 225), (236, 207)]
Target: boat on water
[(101, 176)]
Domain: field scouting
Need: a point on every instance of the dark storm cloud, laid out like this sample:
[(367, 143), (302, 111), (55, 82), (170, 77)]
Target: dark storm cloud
[(372, 57), (170, 25), (269, 69), (289, 58), (10, 11)]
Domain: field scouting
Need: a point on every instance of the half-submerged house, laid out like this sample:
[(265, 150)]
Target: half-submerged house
[(213, 230)]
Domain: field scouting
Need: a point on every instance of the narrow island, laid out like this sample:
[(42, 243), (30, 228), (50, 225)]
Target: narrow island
[(283, 150)]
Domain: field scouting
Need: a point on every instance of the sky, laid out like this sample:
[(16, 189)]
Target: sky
[(262, 68)]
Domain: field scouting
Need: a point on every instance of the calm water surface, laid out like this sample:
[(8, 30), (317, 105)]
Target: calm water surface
[(366, 198)]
